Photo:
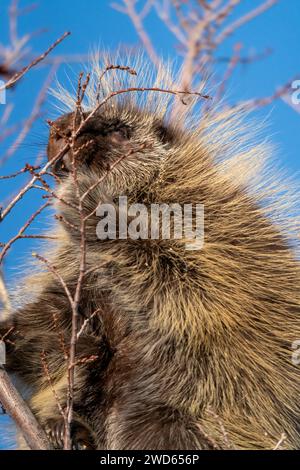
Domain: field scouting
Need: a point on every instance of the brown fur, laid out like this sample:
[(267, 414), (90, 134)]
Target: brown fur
[(193, 347)]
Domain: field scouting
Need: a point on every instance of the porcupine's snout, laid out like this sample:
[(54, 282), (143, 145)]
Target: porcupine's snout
[(91, 141), (69, 144)]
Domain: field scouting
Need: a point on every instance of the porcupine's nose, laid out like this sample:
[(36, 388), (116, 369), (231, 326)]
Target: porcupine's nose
[(83, 148), (60, 133)]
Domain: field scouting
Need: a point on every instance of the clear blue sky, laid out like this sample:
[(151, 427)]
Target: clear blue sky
[(95, 23)]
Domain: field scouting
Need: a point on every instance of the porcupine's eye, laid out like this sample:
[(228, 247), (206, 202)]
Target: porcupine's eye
[(164, 133), (114, 130)]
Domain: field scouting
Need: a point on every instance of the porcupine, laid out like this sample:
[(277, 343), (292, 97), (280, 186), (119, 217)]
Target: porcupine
[(193, 347)]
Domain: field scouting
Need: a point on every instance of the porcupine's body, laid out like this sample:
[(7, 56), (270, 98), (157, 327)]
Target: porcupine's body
[(194, 348)]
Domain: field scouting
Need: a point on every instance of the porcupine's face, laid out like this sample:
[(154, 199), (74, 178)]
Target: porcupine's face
[(125, 146)]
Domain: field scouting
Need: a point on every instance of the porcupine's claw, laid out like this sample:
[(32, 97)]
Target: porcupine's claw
[(81, 438), (55, 431)]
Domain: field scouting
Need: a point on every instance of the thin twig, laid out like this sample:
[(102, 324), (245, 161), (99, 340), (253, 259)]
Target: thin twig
[(36, 61), (20, 233)]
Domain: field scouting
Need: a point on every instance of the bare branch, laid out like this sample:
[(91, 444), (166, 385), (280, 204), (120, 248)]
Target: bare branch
[(137, 20), (33, 116), (20, 233), (229, 30), (20, 74), (19, 411), (267, 100)]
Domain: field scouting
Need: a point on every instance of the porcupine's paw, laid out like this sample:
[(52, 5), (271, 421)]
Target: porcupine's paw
[(80, 435)]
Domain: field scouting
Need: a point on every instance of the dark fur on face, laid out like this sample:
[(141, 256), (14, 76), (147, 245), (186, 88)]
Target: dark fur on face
[(95, 143), (103, 139), (192, 349)]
